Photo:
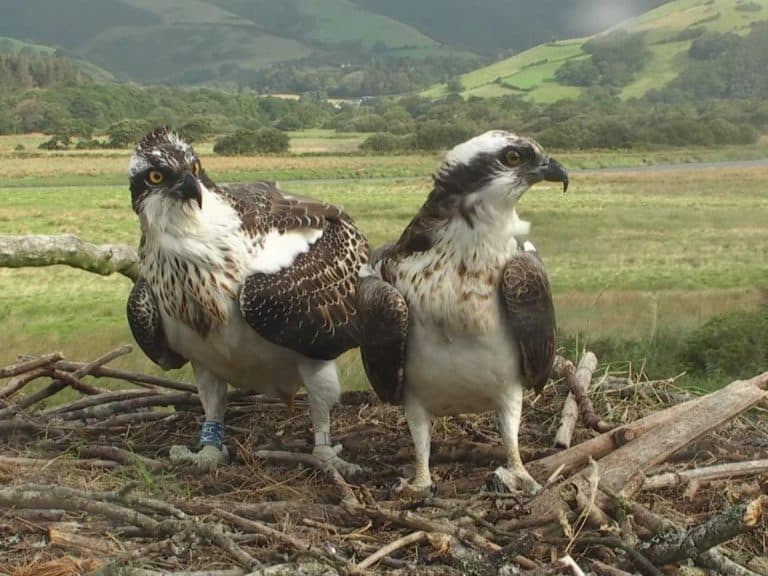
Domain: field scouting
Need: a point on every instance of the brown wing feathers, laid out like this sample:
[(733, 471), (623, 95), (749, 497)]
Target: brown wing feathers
[(383, 337), (309, 306), (530, 314)]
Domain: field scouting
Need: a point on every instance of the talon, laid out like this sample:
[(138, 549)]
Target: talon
[(513, 481), (330, 455), (405, 489), (207, 459)]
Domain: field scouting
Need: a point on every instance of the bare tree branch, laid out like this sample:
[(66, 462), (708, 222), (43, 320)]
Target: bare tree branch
[(69, 250)]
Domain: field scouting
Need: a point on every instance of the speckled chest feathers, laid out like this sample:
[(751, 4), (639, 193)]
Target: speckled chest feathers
[(195, 259)]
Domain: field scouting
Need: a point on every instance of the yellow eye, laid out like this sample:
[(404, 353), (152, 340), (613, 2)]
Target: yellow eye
[(155, 177), (512, 158), (196, 168)]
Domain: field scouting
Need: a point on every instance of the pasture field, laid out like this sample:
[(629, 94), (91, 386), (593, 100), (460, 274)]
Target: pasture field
[(632, 256)]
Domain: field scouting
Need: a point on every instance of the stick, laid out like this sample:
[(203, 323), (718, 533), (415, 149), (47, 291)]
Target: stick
[(298, 457), (102, 398), (28, 365), (121, 456), (17, 383), (134, 377), (58, 385), (705, 474), (383, 552), (602, 569), (715, 560), (76, 383), (579, 383), (261, 528), (53, 496), (110, 408), (680, 545), (40, 250), (45, 463), (414, 521), (79, 542)]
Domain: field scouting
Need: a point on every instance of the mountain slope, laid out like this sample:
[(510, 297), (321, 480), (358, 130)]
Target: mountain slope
[(493, 26), (670, 30), (190, 41)]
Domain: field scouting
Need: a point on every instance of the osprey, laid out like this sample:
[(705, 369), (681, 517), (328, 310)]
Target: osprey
[(457, 316), (252, 286)]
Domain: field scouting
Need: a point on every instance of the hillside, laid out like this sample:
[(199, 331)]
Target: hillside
[(214, 41), (670, 30), (494, 26), (192, 41)]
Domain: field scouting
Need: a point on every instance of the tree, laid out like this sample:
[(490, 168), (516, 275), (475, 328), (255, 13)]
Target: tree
[(262, 141)]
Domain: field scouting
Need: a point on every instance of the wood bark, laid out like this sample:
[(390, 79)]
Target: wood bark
[(69, 250), (705, 474), (582, 377)]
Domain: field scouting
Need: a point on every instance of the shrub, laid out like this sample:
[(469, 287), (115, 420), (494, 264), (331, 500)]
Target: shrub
[(126, 133), (733, 344), (262, 141), (434, 135), (384, 142)]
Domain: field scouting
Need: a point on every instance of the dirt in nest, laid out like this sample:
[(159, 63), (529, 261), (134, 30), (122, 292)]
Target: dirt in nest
[(466, 449)]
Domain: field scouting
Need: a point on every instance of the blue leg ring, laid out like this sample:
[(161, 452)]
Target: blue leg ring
[(212, 434)]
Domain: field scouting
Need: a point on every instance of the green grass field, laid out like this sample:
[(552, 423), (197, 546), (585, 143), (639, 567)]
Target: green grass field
[(636, 256)]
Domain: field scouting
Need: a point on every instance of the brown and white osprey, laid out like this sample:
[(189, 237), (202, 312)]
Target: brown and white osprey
[(252, 286), (457, 316)]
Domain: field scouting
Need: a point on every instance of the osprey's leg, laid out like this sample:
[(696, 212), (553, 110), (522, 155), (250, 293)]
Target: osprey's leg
[(213, 450), (514, 476), (420, 424), (323, 390)]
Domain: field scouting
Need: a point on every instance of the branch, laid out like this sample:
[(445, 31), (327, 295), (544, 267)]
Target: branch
[(27, 365), (683, 544), (578, 381), (383, 552), (67, 249), (705, 474)]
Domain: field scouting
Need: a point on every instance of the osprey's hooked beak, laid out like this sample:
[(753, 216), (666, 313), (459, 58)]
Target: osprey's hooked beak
[(550, 170), (189, 189)]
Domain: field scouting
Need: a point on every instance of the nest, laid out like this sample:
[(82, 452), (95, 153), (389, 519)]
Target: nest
[(87, 486)]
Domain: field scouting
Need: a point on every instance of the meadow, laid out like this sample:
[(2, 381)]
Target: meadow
[(634, 257)]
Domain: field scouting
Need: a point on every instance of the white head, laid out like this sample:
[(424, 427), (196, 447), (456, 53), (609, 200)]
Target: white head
[(164, 167), (493, 170)]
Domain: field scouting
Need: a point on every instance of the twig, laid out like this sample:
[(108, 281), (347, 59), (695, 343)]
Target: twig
[(122, 406), (62, 497), (384, 551), (134, 377), (45, 463), (705, 474), (414, 521), (602, 569), (76, 383), (58, 385), (578, 384), (300, 458), (715, 560), (102, 398), (261, 528), (17, 383), (28, 365), (121, 456)]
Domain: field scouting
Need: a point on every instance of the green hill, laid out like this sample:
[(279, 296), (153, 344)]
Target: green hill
[(191, 41), (670, 30), (230, 41)]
